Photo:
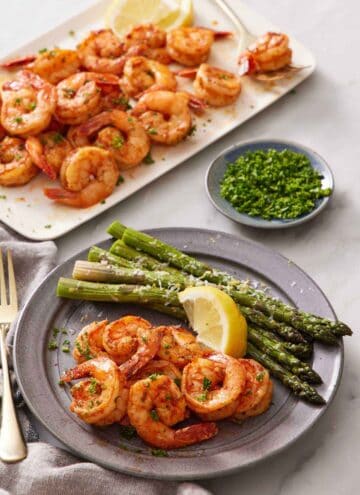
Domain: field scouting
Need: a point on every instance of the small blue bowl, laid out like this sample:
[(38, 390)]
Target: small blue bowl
[(218, 167)]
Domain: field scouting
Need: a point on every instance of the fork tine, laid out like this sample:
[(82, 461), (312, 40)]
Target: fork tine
[(3, 300), (12, 282)]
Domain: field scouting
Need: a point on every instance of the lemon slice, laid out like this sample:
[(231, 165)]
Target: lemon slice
[(216, 319), (167, 14)]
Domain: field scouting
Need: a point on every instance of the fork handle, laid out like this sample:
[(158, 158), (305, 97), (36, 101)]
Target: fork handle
[(12, 444)]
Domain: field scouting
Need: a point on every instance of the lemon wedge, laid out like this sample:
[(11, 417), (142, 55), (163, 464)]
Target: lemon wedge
[(167, 14), (216, 319)]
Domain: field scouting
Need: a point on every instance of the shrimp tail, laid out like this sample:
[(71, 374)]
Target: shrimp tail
[(34, 148), (18, 62), (197, 105), (222, 34), (247, 64), (80, 371), (195, 433), (58, 194), (189, 73)]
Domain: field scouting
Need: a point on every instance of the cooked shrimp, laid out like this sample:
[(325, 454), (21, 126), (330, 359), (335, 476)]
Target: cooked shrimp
[(179, 346), (196, 383), (16, 166), (88, 174), (155, 404), (150, 41), (102, 51), (261, 407), (79, 96), (217, 87), (28, 103), (101, 399), (120, 337), (89, 342), (125, 138), (48, 151), (159, 367), (270, 52), (191, 46), (148, 345), (141, 74), (52, 65), (165, 116), (256, 386)]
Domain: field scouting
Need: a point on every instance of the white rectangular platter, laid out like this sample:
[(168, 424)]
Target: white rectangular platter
[(26, 209)]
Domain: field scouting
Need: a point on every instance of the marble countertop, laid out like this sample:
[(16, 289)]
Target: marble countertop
[(322, 114)]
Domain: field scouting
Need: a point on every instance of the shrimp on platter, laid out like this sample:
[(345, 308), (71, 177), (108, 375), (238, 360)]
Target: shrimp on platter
[(155, 404), (216, 87), (269, 53), (179, 346), (102, 51), (101, 398), (48, 151), (88, 175), (51, 65), (197, 383), (89, 342), (150, 42), (119, 133), (79, 97), (190, 46), (16, 165), (28, 103), (142, 74), (165, 115)]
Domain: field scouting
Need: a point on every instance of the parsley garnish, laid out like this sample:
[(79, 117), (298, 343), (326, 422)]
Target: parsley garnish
[(152, 131), (57, 138), (69, 92), (154, 415), (148, 160), (127, 432), (120, 180), (177, 382), (260, 376), (159, 453), (43, 50), (206, 383), (52, 345), (93, 386), (117, 142)]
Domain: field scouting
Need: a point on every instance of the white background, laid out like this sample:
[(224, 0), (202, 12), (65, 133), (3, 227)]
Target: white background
[(324, 115)]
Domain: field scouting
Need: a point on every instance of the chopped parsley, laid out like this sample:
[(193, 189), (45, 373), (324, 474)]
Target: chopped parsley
[(153, 376), (120, 180), (127, 432), (159, 453), (144, 339), (93, 386), (123, 101), (71, 32), (84, 351), (66, 346), (69, 92), (102, 202), (148, 160), (56, 331), (260, 376), (2, 196), (177, 382), (52, 345), (17, 101), (18, 120), (47, 226), (57, 138), (117, 142), (202, 397), (167, 346), (61, 383), (154, 415), (206, 383), (43, 50), (192, 130), (32, 106), (272, 184), (152, 131)]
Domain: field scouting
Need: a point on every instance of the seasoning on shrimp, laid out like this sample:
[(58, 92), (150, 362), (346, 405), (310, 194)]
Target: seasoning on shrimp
[(268, 53), (191, 46), (48, 151), (88, 175), (217, 87), (142, 74), (117, 132), (156, 405), (150, 42), (28, 103), (16, 165)]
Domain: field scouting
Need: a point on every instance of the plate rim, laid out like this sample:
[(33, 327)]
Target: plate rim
[(247, 220), (191, 476)]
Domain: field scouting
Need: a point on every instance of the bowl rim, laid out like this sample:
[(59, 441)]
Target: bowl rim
[(243, 218)]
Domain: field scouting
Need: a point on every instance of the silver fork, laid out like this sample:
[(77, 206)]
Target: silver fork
[(12, 444)]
